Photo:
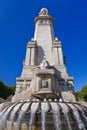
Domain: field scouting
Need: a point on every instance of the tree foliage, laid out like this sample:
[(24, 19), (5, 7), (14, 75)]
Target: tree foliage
[(6, 91), (82, 95), (84, 89)]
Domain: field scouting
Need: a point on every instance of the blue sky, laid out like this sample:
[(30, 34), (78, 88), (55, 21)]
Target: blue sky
[(17, 28)]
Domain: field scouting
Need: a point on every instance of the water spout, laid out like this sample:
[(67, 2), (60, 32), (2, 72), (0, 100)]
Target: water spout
[(3, 120), (44, 108), (34, 108), (76, 114), (56, 116), (59, 115), (65, 111), (22, 114)]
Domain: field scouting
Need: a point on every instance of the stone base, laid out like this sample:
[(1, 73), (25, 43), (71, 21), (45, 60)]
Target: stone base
[(68, 96), (46, 95)]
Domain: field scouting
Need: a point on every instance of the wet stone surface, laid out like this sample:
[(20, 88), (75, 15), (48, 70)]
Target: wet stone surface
[(44, 116)]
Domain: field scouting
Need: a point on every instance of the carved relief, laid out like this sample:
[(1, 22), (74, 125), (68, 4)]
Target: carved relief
[(44, 83), (45, 22)]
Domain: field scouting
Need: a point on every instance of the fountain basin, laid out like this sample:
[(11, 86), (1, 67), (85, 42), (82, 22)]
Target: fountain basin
[(43, 115)]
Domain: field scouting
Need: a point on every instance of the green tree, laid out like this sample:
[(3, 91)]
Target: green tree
[(79, 95), (82, 95), (85, 97), (84, 92), (84, 89), (6, 91)]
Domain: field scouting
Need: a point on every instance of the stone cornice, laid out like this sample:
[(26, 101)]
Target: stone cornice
[(32, 44), (56, 45), (44, 17), (45, 72), (23, 78)]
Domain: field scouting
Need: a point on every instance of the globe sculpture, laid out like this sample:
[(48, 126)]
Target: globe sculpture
[(44, 97)]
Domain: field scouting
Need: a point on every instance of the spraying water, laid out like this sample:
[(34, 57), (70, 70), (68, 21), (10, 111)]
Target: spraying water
[(56, 116), (44, 108), (15, 109), (82, 112), (77, 117), (22, 114), (34, 107), (65, 111), (3, 120), (16, 114)]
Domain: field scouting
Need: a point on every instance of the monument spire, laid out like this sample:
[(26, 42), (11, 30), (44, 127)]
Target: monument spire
[(44, 35), (44, 77)]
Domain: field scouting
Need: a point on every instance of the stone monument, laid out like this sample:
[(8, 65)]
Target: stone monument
[(44, 89), (44, 73)]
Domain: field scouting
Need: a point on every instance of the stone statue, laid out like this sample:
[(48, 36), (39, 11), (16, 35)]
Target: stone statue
[(44, 64), (43, 11)]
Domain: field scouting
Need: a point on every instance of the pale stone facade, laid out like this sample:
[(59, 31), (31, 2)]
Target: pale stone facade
[(44, 70)]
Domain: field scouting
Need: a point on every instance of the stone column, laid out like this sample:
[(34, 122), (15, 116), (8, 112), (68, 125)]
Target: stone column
[(30, 54), (61, 61), (58, 54), (55, 52), (56, 57)]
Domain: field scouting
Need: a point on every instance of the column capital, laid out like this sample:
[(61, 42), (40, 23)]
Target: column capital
[(32, 44)]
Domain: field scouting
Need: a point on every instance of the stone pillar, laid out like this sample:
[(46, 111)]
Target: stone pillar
[(56, 57), (30, 54), (57, 53), (61, 60)]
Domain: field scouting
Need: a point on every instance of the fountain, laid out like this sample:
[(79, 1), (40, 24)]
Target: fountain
[(44, 97), (44, 115)]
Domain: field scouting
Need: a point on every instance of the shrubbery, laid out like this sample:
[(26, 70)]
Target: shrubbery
[(82, 95), (6, 91)]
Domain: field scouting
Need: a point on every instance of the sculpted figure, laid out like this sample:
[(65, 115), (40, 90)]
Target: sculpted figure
[(44, 11)]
